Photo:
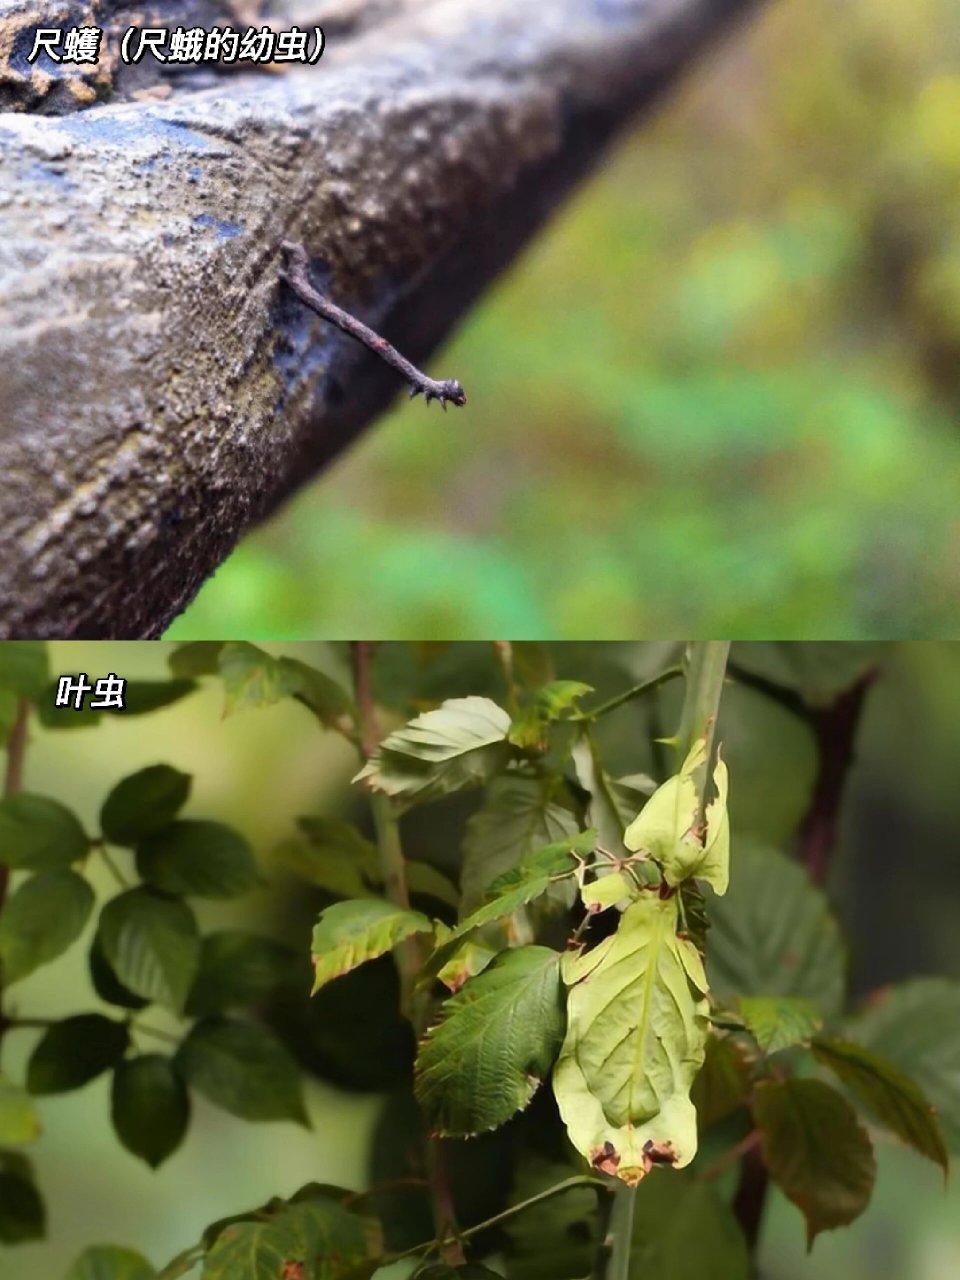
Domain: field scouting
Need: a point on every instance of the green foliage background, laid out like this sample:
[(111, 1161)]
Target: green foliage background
[(722, 391)]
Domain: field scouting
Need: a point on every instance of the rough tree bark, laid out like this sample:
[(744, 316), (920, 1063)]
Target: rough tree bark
[(160, 390)]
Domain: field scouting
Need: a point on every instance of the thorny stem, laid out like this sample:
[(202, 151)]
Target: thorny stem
[(410, 954), (12, 782), (297, 277)]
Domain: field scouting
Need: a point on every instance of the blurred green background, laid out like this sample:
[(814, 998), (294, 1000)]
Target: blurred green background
[(719, 395), (258, 768)]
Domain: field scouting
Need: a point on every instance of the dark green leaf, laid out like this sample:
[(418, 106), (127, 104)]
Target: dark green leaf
[(340, 1245), (496, 1041), (24, 668), (197, 658), (19, 1121), (203, 859), (74, 1051), (105, 982), (773, 934), (916, 1025), (891, 1096), (779, 1022), (816, 1151), (41, 919), (110, 1262), (333, 855), (349, 934), (469, 1271), (143, 802), (22, 1215), (555, 1239), (723, 1082), (518, 815), (238, 968), (142, 696), (315, 690), (150, 1107), (461, 744), (244, 1069), (683, 1231), (151, 944), (39, 834)]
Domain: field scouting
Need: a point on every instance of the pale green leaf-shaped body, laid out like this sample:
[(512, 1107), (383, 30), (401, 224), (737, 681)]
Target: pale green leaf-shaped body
[(665, 828), (494, 1045), (349, 934), (636, 1038)]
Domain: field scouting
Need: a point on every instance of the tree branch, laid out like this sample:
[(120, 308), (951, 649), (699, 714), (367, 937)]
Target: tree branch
[(179, 389)]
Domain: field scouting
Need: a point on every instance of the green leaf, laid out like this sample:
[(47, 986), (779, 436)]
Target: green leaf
[(243, 1068), (723, 1082), (552, 702), (19, 1121), (495, 1042), (348, 934), (74, 1051), (636, 1038), (250, 677), (816, 1151), (333, 1243), (554, 1239), (22, 1215), (24, 668), (461, 744), (143, 696), (666, 826), (105, 982), (893, 1098), (682, 1230), (202, 859), (471, 958), (238, 968), (110, 1262), (426, 881), (333, 855), (778, 1022), (143, 802), (529, 880), (469, 1271), (603, 810), (151, 944), (149, 1106), (316, 691), (518, 816), (916, 1026), (196, 658), (40, 920), (39, 834), (773, 935)]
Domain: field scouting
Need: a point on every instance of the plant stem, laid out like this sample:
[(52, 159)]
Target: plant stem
[(12, 782), (410, 954), (581, 1180), (621, 1232), (706, 670), (628, 695)]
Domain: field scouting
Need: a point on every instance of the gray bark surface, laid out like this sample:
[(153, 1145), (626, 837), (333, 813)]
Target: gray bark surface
[(160, 388)]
